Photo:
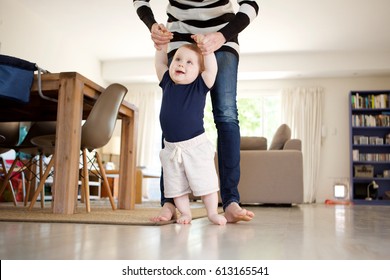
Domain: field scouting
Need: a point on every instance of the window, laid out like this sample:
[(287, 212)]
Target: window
[(259, 114)]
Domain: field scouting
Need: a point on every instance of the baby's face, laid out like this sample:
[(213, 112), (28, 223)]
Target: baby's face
[(184, 67)]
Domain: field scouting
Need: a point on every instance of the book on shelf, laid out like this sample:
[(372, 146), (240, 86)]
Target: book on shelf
[(370, 101), (374, 157), (355, 155), (371, 140), (363, 120)]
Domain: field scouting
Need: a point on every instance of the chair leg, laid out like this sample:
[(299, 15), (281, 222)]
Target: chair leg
[(40, 178), (29, 179), (23, 186), (52, 188), (11, 187), (82, 186), (41, 183), (105, 181), (86, 181), (7, 180), (28, 188)]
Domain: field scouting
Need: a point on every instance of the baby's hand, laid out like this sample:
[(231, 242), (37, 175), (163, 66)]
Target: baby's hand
[(160, 28), (198, 38)]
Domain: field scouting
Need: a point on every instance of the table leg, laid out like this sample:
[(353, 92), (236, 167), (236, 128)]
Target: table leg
[(67, 150), (126, 192)]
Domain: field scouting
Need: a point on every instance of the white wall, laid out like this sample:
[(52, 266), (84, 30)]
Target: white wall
[(27, 36)]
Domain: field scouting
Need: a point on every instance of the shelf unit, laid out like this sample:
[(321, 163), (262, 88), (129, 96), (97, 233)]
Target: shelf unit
[(370, 147), (94, 188)]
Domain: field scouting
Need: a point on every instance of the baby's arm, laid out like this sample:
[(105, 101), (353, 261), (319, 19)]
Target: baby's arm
[(210, 64), (161, 61), (210, 69)]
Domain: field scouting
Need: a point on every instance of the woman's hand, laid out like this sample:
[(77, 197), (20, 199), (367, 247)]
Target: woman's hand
[(209, 43), (160, 35)]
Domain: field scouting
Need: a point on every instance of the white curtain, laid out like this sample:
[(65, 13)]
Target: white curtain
[(145, 100), (302, 111)]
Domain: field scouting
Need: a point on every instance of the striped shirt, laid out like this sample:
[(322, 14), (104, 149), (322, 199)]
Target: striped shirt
[(187, 17)]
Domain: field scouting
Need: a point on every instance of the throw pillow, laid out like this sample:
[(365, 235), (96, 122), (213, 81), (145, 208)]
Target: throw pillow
[(282, 134)]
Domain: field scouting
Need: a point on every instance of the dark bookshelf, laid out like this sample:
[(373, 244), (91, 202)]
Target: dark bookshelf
[(369, 113)]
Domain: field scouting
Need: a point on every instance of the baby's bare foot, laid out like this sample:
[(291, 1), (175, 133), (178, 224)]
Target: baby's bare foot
[(184, 219), (218, 219)]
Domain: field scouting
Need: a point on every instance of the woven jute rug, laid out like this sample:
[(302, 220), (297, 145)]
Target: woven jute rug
[(101, 213)]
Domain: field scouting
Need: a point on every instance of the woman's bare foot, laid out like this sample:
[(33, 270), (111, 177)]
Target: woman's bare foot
[(184, 219), (217, 219), (234, 213), (167, 213)]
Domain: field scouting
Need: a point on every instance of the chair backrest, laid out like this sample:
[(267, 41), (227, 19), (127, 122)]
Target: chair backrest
[(100, 124), (38, 129), (10, 135)]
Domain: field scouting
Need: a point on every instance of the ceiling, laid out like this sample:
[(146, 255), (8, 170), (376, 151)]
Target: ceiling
[(283, 27)]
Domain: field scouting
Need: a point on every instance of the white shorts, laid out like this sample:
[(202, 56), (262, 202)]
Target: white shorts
[(189, 165)]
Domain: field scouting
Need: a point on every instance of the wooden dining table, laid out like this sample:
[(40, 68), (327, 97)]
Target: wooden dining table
[(74, 96)]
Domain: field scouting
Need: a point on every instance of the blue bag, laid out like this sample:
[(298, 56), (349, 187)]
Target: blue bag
[(16, 78)]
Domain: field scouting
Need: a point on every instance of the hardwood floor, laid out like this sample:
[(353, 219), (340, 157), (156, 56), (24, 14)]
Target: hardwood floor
[(304, 232)]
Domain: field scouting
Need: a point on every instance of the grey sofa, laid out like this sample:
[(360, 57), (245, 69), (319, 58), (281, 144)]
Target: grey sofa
[(271, 176)]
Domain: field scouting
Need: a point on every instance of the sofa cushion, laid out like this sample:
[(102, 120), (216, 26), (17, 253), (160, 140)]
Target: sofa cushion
[(293, 144), (282, 134), (253, 143)]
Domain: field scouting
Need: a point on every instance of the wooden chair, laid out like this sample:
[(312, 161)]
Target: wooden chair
[(95, 133), (9, 137), (34, 157)]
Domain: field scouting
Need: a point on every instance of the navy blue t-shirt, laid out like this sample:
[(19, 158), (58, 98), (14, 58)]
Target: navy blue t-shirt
[(182, 109)]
